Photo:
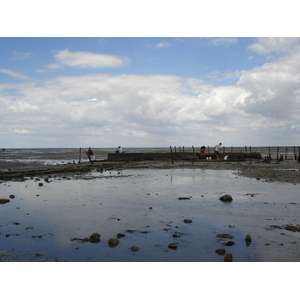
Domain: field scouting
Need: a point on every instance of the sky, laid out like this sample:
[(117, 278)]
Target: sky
[(148, 91)]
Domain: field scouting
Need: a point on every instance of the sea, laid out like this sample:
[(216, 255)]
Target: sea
[(71, 155)]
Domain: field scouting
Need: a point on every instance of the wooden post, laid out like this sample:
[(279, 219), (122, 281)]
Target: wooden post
[(172, 155), (79, 155), (193, 153)]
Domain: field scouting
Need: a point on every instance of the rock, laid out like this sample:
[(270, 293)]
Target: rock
[(292, 228), (230, 243), (134, 248), (95, 238), (12, 196), (144, 231), (173, 246), (113, 242), (40, 184), (30, 227), (226, 198), (187, 221), (248, 239), (221, 251), (120, 235), (3, 201), (184, 198), (224, 236), (228, 257)]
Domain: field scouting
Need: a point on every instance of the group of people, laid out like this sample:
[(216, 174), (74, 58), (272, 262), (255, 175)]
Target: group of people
[(217, 149), (90, 152)]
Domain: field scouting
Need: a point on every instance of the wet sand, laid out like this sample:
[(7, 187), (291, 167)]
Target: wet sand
[(54, 210)]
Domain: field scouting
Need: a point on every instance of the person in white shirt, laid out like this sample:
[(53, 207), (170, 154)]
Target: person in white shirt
[(119, 150), (218, 150)]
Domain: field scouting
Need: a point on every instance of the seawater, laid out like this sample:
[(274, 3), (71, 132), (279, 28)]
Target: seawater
[(70, 155), (48, 222)]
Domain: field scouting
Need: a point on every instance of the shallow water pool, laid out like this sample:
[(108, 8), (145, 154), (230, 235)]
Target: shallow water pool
[(49, 222)]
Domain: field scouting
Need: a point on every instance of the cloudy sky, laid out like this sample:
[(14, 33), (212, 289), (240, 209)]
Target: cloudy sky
[(147, 91)]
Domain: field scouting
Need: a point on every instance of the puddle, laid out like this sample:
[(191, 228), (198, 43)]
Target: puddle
[(49, 222)]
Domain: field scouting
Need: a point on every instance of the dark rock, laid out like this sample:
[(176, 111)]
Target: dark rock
[(226, 198), (12, 196), (95, 238), (224, 236), (187, 221), (112, 242), (292, 228), (40, 184), (230, 243), (184, 198), (134, 248), (228, 257), (120, 235), (221, 251), (3, 201), (173, 246), (144, 231), (248, 239)]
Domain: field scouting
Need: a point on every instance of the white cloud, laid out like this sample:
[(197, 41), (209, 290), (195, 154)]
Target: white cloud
[(153, 110), (87, 60), (21, 55), (267, 45), (223, 41), (15, 74), (163, 45)]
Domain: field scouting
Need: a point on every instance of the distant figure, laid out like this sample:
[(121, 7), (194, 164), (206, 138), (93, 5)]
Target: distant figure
[(202, 152), (119, 150), (90, 153), (218, 150)]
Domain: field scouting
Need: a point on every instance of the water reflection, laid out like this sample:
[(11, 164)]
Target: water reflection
[(135, 201)]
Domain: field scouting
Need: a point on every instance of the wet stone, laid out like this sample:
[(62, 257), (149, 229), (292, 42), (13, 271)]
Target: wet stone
[(112, 242), (221, 251), (224, 236), (230, 243), (228, 257), (134, 248), (248, 239), (173, 246), (226, 198), (95, 238), (3, 201), (187, 221)]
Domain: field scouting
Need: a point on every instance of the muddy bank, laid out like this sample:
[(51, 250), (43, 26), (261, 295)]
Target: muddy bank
[(284, 171)]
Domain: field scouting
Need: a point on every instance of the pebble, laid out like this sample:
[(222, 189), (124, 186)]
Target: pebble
[(228, 257), (187, 221), (134, 248)]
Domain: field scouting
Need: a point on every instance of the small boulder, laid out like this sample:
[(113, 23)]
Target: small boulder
[(226, 198), (221, 251), (112, 242), (248, 239), (228, 257), (229, 243), (292, 228), (173, 246), (95, 238), (134, 248), (187, 221), (3, 201)]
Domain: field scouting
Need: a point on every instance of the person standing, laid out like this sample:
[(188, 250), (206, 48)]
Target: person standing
[(218, 150)]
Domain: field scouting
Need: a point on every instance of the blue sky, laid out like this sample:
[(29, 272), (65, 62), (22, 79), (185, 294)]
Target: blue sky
[(141, 90)]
